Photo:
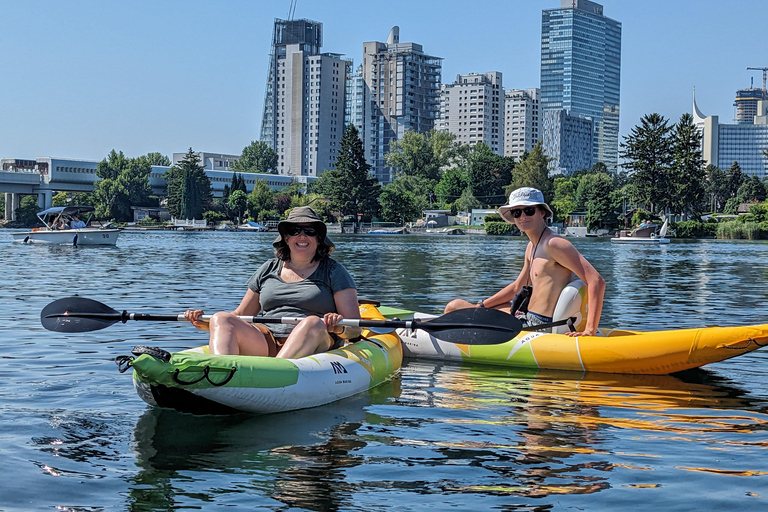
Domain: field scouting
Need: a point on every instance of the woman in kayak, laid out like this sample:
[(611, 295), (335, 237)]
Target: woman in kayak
[(302, 280)]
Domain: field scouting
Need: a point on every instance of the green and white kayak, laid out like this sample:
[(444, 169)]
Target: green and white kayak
[(197, 382)]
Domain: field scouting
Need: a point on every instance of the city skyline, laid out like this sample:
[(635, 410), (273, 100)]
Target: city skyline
[(85, 77)]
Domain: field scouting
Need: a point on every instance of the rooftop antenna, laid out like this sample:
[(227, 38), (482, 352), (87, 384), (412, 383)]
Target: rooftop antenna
[(292, 10)]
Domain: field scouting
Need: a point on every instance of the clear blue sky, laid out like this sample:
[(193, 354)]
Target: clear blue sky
[(81, 77)]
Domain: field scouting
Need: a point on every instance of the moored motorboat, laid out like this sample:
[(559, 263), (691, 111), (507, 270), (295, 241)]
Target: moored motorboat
[(614, 351), (196, 381), (644, 236), (64, 215)]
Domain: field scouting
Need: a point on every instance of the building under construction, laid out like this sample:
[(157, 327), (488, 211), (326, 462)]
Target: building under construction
[(746, 104)]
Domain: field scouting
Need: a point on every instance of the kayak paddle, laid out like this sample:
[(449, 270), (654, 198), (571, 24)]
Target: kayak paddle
[(472, 326)]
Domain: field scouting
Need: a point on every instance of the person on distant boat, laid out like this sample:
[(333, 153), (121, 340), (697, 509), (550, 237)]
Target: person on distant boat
[(62, 225), (76, 222), (302, 280), (550, 262)]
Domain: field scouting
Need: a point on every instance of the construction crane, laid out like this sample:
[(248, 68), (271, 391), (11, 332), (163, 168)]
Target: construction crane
[(765, 75), (292, 10)]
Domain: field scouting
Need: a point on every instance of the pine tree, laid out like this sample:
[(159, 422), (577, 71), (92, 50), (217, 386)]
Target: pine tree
[(189, 189), (686, 186), (532, 171), (648, 159), (350, 188)]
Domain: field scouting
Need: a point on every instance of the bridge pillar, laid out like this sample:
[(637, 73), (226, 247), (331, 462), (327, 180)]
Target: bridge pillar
[(12, 202), (45, 199)]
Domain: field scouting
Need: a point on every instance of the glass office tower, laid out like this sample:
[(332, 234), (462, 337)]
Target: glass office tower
[(581, 70)]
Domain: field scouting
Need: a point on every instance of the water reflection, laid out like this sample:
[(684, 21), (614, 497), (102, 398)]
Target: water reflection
[(553, 433), (296, 458)]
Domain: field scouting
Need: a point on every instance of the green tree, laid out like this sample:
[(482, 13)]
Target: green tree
[(687, 183), (158, 159), (735, 178), (467, 202), (398, 204), (238, 202), (648, 159), (533, 172), (260, 199), (717, 187), (350, 188), (594, 192), (257, 157), (124, 182), (564, 202), (751, 190), (189, 189), (452, 184), (421, 154), (489, 174), (26, 213)]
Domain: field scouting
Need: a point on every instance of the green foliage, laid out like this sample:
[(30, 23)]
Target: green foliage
[(732, 206), (759, 212), (735, 230), (26, 213), (717, 187), (498, 228), (493, 218), (238, 202), (257, 157), (452, 184), (350, 188), (639, 216), (421, 154), (647, 157), (82, 199), (59, 199), (124, 183), (213, 217), (488, 174), (400, 205), (686, 186), (594, 192), (751, 190), (532, 171), (564, 201), (260, 199), (467, 202), (694, 229), (189, 189), (158, 159)]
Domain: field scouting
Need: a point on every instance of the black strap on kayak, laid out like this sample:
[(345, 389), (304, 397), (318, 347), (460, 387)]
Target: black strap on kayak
[(568, 321), (123, 363), (206, 376)]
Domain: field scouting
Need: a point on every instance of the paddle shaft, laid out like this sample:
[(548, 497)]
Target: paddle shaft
[(347, 322)]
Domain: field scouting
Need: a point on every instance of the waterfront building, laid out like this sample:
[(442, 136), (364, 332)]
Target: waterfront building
[(746, 104), (521, 121), (209, 161), (304, 108), (567, 141), (472, 109), (723, 144), (581, 68), (401, 93)]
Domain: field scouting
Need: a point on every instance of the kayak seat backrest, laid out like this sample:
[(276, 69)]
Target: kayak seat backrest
[(572, 302)]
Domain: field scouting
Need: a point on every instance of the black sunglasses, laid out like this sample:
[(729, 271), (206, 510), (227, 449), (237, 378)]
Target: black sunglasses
[(528, 210), (295, 230)]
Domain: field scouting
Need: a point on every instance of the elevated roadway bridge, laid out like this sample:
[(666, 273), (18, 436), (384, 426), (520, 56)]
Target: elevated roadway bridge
[(47, 176)]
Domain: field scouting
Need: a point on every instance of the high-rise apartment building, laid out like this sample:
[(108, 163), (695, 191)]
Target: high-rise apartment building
[(567, 141), (521, 121), (472, 108), (402, 92), (581, 68), (304, 105), (746, 104), (354, 102)]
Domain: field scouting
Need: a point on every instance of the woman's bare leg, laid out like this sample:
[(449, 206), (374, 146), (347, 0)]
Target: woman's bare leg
[(233, 336), (307, 338)]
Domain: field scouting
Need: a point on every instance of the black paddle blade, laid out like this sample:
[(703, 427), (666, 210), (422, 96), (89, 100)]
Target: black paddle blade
[(77, 314), (473, 326)]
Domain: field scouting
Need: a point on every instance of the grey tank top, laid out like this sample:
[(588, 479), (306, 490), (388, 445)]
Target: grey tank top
[(310, 296)]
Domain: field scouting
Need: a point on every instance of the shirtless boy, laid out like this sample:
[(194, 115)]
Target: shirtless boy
[(550, 262)]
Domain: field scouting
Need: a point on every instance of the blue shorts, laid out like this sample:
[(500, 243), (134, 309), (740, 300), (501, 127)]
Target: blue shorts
[(530, 319)]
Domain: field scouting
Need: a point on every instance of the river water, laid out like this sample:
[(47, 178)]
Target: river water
[(76, 437)]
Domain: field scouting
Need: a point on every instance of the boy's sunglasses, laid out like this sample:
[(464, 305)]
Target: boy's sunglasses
[(295, 230), (528, 210)]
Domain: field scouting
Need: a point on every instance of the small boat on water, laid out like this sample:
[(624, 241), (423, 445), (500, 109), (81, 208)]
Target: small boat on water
[(645, 235), (400, 231), (197, 382), (612, 351), (64, 216), (252, 226)]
